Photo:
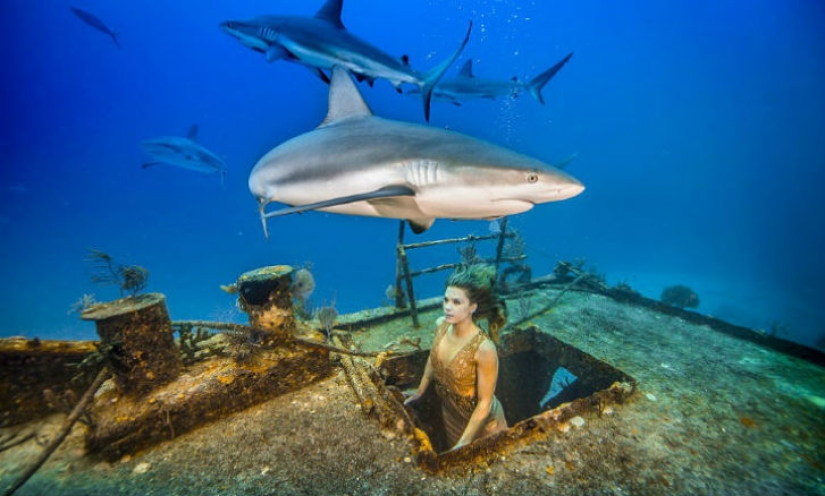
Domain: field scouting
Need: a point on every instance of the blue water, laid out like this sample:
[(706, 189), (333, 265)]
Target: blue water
[(698, 125)]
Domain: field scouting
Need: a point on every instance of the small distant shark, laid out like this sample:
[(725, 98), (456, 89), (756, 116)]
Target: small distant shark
[(466, 85), (183, 152), (322, 41), (96, 23), (358, 164)]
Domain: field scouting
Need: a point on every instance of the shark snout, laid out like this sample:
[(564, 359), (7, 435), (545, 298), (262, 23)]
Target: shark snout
[(243, 32), (562, 187), (573, 188), (229, 27)]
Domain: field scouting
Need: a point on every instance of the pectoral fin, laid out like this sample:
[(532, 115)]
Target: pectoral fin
[(386, 192), (277, 52), (418, 226)]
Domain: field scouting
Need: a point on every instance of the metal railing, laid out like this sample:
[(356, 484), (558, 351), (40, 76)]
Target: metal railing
[(404, 276)]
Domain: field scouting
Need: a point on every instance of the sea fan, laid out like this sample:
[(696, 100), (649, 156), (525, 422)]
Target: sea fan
[(327, 316), (130, 278), (680, 296)]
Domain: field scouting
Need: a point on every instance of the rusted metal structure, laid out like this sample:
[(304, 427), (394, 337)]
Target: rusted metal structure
[(404, 275)]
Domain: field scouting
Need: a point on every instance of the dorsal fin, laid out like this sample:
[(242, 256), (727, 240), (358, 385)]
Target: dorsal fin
[(467, 69), (345, 101), (331, 12), (193, 133), (405, 59)]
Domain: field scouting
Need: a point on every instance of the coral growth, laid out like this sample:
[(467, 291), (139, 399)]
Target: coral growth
[(83, 304), (679, 296), (395, 297), (130, 278), (327, 317), (244, 342), (189, 343), (303, 284), (469, 254)]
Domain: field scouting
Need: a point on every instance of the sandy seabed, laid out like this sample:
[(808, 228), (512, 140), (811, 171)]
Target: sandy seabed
[(713, 415)]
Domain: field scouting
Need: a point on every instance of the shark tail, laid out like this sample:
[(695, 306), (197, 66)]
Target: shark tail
[(537, 83), (434, 75)]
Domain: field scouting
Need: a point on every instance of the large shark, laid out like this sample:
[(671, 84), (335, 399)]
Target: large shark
[(186, 153), (358, 164), (322, 41), (466, 85)]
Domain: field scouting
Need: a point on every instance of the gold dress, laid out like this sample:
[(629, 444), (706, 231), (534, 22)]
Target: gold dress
[(455, 383)]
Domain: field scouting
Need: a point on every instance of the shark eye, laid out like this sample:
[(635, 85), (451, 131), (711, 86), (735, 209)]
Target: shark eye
[(532, 177)]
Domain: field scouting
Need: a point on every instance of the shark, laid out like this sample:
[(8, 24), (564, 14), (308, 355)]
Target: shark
[(356, 163), (322, 41), (466, 85), (185, 153), (96, 23)]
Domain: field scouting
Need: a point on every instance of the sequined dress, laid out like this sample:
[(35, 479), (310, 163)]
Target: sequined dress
[(455, 383)]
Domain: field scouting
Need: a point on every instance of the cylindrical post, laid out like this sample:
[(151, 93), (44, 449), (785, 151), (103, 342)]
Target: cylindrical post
[(399, 269), (500, 246), (410, 291), (265, 295), (137, 341)]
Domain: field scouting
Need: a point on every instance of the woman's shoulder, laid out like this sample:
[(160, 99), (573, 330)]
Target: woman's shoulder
[(486, 349)]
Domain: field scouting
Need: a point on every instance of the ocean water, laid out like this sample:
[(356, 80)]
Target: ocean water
[(698, 128)]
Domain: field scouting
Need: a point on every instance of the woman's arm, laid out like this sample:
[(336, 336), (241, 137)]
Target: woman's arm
[(423, 385), (487, 360)]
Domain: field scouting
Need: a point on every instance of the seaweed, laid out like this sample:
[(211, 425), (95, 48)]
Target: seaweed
[(129, 278)]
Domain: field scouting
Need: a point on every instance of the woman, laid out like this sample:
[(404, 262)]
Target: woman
[(463, 360)]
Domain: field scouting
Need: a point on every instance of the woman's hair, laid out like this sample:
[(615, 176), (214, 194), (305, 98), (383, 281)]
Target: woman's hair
[(478, 281)]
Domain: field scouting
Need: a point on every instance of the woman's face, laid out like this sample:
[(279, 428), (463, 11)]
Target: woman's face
[(457, 305)]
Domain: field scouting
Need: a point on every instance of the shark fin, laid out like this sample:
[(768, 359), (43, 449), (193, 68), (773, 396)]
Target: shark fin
[(345, 101), (467, 69), (276, 52), (361, 78), (418, 226), (385, 192), (150, 164), (537, 83), (566, 161), (193, 133), (435, 74), (320, 74), (331, 12)]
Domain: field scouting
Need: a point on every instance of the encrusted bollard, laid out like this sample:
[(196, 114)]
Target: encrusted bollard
[(216, 386), (265, 294), (138, 341)]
